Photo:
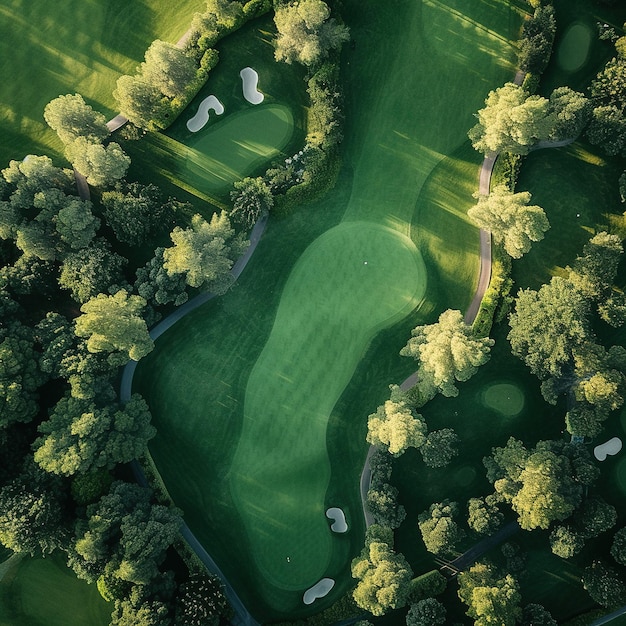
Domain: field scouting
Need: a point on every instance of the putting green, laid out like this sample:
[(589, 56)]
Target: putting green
[(574, 48), (505, 398), (231, 148), (350, 283)]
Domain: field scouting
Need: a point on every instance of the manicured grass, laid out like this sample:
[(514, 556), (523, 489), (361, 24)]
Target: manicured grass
[(45, 592), (48, 49), (403, 121), (349, 284)]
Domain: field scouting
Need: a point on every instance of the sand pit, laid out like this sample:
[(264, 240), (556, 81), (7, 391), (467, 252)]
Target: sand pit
[(609, 448), (339, 524), (200, 119), (319, 590), (250, 81)]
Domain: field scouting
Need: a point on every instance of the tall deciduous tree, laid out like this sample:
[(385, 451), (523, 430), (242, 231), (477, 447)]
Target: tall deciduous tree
[(114, 324), (81, 437), (573, 111), (440, 531), (71, 117), (396, 427), (604, 585), (428, 612), (205, 252), (510, 219), (252, 198), (383, 575), (167, 68), (512, 121), (306, 32), (447, 352), (491, 598), (101, 165)]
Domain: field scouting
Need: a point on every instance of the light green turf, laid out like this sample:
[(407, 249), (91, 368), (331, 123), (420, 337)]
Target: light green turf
[(505, 398), (349, 284), (45, 592), (573, 50), (52, 48), (231, 149)]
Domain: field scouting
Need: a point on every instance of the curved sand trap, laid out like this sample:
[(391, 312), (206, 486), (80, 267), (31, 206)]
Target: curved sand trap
[(574, 49), (250, 81), (505, 398), (199, 120), (609, 448), (319, 590), (339, 524)]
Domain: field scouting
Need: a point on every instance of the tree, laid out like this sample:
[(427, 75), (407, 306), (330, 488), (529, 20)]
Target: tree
[(543, 485), (135, 212), (306, 32), (80, 437), (92, 270), (618, 547), (167, 68), (573, 112), (566, 542), (595, 516), (101, 165), (397, 427), (439, 530), (76, 224), (201, 600), (447, 352), (608, 129), (604, 585), (20, 376), (227, 13), (536, 615), (114, 324), (439, 448), (382, 502), (427, 585), (125, 536), (139, 100), (538, 34), (484, 516), (252, 198), (32, 513), (547, 325), (491, 598), (428, 612), (157, 286), (509, 218), (512, 121), (383, 576), (205, 252), (71, 118)]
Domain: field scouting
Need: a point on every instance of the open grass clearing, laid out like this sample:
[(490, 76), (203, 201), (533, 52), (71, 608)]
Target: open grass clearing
[(48, 49), (402, 124), (45, 592)]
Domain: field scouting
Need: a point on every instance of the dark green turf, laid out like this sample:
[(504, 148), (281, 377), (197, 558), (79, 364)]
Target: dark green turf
[(45, 592)]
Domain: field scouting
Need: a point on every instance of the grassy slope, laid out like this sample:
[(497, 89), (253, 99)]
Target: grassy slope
[(402, 133), (44, 592), (47, 50)]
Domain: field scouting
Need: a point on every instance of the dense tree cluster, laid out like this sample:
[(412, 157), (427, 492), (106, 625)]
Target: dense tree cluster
[(440, 532)]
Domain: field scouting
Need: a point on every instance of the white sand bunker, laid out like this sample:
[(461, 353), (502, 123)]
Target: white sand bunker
[(319, 590), (610, 448), (250, 81), (339, 524), (199, 120)]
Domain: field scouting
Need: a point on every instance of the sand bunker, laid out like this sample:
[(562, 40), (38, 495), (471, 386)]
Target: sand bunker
[(339, 524), (250, 81), (610, 448), (199, 120), (319, 590)]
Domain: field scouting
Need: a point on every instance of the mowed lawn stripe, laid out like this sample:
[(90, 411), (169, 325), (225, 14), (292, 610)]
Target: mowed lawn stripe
[(350, 283)]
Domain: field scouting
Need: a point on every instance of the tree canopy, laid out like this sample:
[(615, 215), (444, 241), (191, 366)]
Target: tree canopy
[(440, 531), (510, 219), (306, 32), (71, 117), (397, 427), (447, 352)]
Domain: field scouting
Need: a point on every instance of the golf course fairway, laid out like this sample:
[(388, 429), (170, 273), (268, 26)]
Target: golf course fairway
[(350, 283), (261, 397)]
